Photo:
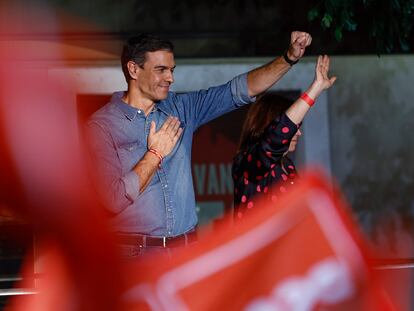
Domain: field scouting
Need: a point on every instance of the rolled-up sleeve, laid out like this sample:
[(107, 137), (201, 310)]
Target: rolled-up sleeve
[(240, 91), (205, 105), (116, 189), (131, 182)]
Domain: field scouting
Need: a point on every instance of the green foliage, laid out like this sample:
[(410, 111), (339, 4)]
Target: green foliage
[(388, 22)]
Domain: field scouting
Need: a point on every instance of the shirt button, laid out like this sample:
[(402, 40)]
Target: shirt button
[(165, 186), (139, 111), (169, 209)]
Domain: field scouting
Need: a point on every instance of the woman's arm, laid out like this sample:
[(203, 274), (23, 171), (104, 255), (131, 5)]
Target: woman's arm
[(275, 141), (300, 107)]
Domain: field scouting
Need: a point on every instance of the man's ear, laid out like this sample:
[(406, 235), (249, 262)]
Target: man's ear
[(132, 69)]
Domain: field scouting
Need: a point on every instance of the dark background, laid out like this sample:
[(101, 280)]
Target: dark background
[(234, 28)]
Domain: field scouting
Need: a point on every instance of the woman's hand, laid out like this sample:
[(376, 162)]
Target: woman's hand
[(300, 107), (322, 81)]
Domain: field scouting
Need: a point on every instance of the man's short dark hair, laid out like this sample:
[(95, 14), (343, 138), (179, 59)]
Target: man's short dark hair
[(136, 47)]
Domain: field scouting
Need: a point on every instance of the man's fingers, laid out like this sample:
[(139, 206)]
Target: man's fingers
[(297, 42), (152, 128), (178, 134), (167, 123), (293, 36), (302, 38), (175, 125), (171, 127), (308, 39), (303, 41)]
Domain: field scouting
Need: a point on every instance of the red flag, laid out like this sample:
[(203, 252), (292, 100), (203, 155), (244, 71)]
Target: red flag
[(303, 253)]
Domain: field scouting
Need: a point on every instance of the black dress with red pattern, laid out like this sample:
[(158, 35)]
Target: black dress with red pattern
[(257, 169)]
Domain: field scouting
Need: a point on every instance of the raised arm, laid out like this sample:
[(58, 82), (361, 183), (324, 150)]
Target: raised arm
[(274, 142), (297, 111), (262, 78)]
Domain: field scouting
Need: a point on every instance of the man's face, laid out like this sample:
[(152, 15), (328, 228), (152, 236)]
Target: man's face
[(156, 76)]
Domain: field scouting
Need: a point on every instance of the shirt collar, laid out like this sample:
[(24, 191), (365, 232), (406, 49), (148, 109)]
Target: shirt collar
[(131, 112), (162, 107)]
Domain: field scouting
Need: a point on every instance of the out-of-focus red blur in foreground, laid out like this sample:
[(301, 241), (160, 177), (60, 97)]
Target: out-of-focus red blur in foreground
[(302, 254), (43, 176)]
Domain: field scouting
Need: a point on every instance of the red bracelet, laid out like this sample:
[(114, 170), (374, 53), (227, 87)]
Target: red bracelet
[(153, 151), (307, 99)]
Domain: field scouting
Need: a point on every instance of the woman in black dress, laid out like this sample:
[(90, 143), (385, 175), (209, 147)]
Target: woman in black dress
[(271, 130)]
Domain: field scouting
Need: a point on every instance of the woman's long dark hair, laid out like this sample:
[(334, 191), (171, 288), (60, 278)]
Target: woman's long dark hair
[(267, 107)]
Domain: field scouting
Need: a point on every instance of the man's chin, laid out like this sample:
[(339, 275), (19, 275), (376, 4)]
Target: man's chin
[(161, 97)]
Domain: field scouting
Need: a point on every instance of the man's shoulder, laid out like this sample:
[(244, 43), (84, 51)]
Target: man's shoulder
[(108, 113), (177, 99), (177, 102), (170, 103)]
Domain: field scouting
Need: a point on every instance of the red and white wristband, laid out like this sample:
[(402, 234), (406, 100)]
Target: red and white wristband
[(310, 101), (153, 151)]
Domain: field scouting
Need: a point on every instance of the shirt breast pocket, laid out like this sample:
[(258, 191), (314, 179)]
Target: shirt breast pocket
[(129, 155)]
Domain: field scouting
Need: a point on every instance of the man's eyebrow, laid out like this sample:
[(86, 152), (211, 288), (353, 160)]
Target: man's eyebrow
[(164, 67)]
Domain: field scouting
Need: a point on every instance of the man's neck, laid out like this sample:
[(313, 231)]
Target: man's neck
[(138, 101)]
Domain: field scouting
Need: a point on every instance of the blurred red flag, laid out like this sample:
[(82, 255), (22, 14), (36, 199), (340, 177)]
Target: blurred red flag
[(43, 172), (303, 253)]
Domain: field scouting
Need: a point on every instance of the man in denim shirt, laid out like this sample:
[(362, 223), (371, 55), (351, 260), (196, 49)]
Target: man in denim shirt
[(141, 140)]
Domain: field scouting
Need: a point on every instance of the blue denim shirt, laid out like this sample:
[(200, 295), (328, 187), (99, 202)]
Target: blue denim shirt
[(117, 136)]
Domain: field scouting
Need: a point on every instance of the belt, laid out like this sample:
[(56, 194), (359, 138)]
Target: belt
[(146, 240)]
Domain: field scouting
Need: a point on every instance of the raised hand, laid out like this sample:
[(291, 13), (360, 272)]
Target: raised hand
[(322, 81), (299, 40), (297, 111), (165, 139)]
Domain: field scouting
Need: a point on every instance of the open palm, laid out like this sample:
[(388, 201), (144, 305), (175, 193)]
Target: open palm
[(321, 73)]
